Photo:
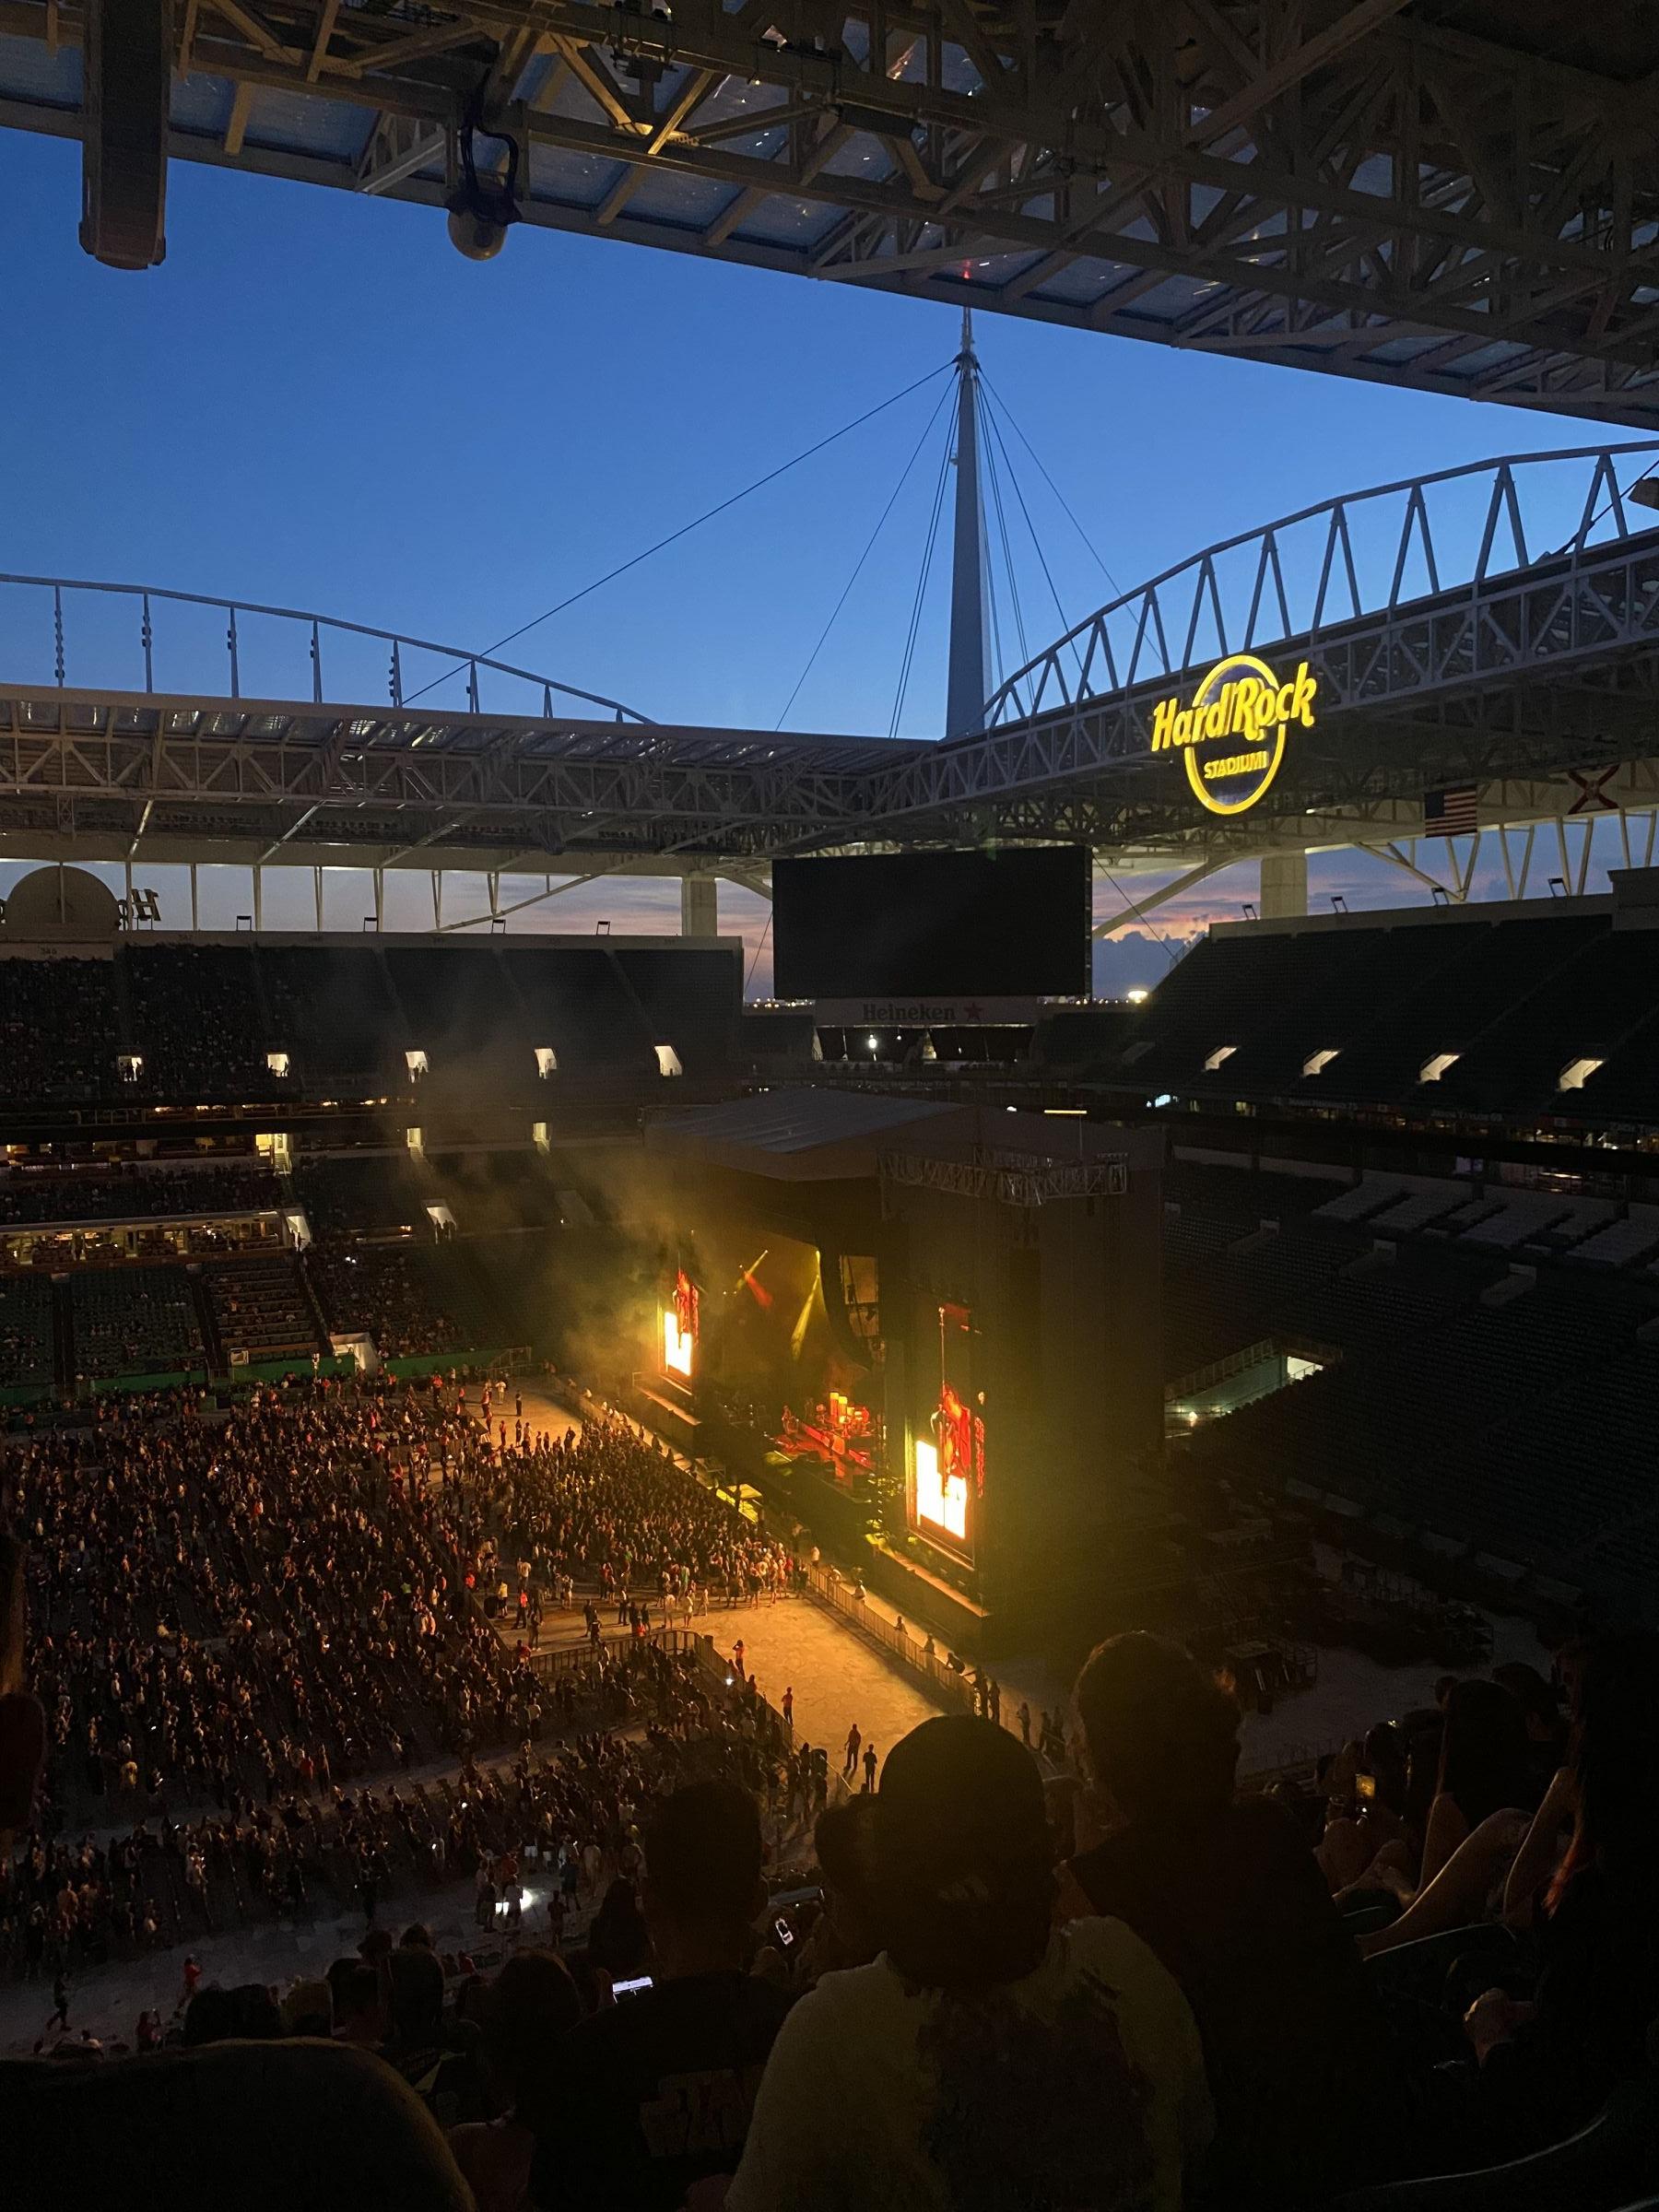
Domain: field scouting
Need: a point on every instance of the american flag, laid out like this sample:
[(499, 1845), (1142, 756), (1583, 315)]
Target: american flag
[(1450, 813)]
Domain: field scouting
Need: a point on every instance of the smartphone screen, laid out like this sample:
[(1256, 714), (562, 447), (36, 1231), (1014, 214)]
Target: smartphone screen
[(633, 1989), (783, 1932), (1365, 1786)]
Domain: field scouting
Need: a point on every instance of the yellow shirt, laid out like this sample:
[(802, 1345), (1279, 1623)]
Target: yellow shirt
[(1081, 2085)]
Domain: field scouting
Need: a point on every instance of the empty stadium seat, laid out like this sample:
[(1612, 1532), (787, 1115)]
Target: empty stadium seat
[(260, 1307), (26, 1332), (135, 1321)]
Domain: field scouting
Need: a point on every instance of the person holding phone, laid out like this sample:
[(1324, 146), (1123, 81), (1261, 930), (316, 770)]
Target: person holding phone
[(654, 2094)]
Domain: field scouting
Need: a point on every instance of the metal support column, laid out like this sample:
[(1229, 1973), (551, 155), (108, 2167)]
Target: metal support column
[(700, 906), (965, 694), (1284, 886), (258, 897)]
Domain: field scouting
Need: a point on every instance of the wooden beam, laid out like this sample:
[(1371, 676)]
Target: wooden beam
[(241, 107), (598, 83), (319, 54), (620, 192), (1291, 68), (258, 34), (695, 88)]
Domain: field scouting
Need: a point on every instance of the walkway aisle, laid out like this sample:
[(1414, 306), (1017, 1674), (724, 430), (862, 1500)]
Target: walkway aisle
[(837, 1677)]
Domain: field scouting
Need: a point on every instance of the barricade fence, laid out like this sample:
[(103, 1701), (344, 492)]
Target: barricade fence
[(955, 1689)]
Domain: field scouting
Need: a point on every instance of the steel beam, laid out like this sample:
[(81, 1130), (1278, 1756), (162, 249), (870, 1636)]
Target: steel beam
[(1378, 178)]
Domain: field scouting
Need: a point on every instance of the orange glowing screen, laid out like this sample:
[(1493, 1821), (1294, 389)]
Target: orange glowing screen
[(940, 1499), (676, 1344), (679, 1326)]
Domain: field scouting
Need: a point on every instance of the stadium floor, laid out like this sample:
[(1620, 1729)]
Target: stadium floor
[(837, 1677)]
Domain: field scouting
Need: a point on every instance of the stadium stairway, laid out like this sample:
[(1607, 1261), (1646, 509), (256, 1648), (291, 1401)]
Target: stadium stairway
[(461, 1284), (404, 1030), (63, 1336), (313, 1303), (261, 996), (208, 1321), (123, 991)]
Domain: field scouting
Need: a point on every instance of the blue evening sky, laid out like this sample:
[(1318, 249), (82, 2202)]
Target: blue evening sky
[(316, 401)]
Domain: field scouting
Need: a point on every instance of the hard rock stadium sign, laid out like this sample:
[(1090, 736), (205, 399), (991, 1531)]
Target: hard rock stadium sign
[(1233, 733)]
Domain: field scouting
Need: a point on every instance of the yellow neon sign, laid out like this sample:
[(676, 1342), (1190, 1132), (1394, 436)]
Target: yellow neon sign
[(1232, 735)]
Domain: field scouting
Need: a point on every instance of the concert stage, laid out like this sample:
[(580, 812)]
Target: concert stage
[(929, 1334)]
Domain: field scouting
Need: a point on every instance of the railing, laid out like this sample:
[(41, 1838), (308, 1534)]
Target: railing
[(577, 1658), (126, 637), (952, 1689), (1346, 558), (1219, 1370)]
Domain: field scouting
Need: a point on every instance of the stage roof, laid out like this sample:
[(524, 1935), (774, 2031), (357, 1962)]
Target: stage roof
[(802, 1135)]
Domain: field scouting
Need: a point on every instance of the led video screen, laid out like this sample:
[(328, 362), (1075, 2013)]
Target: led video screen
[(1012, 924)]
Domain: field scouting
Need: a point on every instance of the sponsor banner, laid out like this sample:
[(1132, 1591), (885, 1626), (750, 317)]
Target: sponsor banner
[(925, 1013)]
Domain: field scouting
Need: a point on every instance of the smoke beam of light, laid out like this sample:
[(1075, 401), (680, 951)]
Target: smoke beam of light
[(762, 1297), (798, 1334)]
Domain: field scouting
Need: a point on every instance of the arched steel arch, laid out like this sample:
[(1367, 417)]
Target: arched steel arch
[(1496, 623), (134, 636), (1501, 619)]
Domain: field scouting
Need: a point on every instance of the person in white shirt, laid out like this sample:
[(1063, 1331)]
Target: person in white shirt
[(985, 2061)]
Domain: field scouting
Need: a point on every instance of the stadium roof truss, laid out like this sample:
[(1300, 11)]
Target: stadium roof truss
[(1496, 625), (1456, 195)]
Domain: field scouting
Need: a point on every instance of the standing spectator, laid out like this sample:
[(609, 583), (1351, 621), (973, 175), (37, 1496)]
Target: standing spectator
[(985, 2058), (530, 2006), (869, 1766), (1230, 1899), (654, 2094), (620, 1939), (847, 1930), (853, 1740), (1548, 2066)]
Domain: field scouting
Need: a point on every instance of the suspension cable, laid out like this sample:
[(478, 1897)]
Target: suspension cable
[(1002, 526), (1132, 912), (870, 548), (915, 620), (1037, 548), (759, 948), (686, 529), (1064, 504)]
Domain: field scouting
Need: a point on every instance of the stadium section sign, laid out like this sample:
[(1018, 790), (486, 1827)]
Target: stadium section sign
[(1233, 733)]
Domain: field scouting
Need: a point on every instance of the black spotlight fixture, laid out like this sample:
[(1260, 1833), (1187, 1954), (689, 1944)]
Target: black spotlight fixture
[(482, 209)]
